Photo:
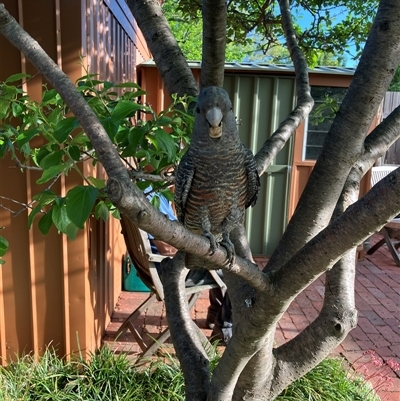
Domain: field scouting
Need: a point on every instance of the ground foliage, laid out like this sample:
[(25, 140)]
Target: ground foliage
[(109, 377)]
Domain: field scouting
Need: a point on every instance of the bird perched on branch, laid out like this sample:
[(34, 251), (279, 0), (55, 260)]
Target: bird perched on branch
[(217, 178)]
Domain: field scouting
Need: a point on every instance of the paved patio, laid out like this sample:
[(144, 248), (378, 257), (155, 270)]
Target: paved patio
[(377, 333)]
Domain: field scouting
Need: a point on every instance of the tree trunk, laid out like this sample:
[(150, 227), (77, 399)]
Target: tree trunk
[(251, 368), (170, 61), (214, 43)]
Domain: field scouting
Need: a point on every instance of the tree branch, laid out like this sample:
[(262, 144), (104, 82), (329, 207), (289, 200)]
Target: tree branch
[(356, 224), (305, 102), (214, 43), (189, 350), (164, 47)]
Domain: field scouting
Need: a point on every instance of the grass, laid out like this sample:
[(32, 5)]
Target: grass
[(109, 377), (329, 381)]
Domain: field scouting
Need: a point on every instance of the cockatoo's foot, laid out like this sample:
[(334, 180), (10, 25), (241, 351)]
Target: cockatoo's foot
[(230, 248), (213, 241)]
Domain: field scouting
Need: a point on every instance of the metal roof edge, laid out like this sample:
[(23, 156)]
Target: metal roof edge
[(269, 67)]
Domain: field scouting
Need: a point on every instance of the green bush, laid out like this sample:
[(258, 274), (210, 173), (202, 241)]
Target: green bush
[(109, 377)]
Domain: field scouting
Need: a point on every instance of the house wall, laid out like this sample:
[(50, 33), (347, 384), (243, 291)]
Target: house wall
[(53, 290)]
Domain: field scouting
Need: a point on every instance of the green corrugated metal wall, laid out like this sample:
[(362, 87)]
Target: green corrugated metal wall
[(260, 104)]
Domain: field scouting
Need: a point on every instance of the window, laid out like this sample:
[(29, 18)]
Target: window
[(327, 101)]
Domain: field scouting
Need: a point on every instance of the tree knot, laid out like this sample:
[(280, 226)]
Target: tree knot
[(384, 26), (142, 216), (114, 190)]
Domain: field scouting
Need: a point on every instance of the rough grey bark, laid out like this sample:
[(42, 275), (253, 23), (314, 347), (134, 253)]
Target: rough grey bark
[(250, 368), (170, 61), (214, 42), (190, 352)]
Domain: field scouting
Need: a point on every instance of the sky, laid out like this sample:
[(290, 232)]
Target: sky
[(337, 16)]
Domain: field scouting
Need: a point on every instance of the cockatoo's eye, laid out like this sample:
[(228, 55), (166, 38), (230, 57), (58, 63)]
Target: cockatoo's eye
[(197, 110)]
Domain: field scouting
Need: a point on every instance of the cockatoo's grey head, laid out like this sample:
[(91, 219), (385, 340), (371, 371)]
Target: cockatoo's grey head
[(214, 105)]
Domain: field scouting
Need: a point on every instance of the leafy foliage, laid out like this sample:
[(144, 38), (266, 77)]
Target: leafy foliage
[(188, 29), (45, 136), (326, 30)]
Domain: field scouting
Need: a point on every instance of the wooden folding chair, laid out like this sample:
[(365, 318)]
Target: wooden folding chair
[(391, 231), (142, 256)]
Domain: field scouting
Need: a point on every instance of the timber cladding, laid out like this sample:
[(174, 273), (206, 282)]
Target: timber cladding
[(53, 290)]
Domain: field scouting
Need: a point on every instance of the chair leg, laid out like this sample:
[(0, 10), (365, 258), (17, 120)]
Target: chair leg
[(391, 246), (157, 343), (137, 336), (166, 333), (376, 246), (133, 316)]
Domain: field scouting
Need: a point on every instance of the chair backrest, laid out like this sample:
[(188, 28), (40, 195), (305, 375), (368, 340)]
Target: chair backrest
[(138, 246), (139, 249), (380, 172)]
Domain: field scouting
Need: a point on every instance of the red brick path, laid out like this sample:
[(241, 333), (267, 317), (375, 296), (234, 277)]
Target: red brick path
[(378, 330)]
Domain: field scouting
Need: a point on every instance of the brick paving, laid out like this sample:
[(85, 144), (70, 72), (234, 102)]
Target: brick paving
[(376, 336)]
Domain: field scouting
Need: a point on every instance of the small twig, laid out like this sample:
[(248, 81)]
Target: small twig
[(24, 166), (140, 175), (13, 212), (6, 208)]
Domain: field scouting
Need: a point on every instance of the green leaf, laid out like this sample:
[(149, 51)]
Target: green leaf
[(131, 95), (80, 139), (46, 222), (26, 136), (163, 120), (110, 126), (64, 128), (72, 231), (123, 109), (49, 95), (5, 145), (108, 85), (4, 107), (51, 173), (16, 109), (41, 154), (37, 209), (79, 203), (55, 116), (3, 246), (74, 152), (17, 77), (116, 214), (52, 159), (127, 85), (101, 211), (166, 143), (45, 197), (60, 218), (97, 182)]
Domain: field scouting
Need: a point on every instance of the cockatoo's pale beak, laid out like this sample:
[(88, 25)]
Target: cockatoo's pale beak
[(214, 119)]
